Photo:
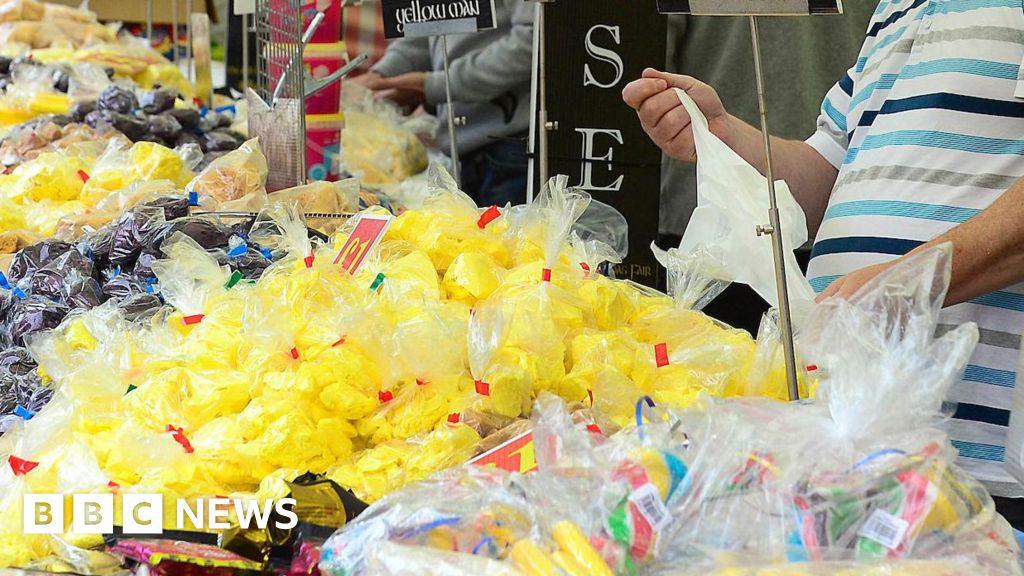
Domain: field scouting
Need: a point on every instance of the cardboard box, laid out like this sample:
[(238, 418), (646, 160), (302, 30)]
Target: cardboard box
[(135, 10)]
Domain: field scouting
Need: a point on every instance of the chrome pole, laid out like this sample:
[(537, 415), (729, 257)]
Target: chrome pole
[(456, 168), (774, 229)]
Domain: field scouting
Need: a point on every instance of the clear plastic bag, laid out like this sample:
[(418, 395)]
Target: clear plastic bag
[(882, 485), (231, 177), (380, 146), (731, 197), (189, 276)]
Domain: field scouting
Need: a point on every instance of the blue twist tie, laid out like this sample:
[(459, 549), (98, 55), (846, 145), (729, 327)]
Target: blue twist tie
[(116, 272), (238, 251), (3, 282), (266, 253), (640, 414), (23, 413), (19, 293), (193, 198), (481, 543)]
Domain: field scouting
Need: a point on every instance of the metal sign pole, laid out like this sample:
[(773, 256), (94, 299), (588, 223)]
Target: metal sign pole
[(542, 98), (452, 120), (174, 29), (188, 43), (245, 52), (774, 228)]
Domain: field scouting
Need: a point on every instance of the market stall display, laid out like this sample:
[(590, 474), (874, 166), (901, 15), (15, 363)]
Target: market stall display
[(725, 487), (349, 363)]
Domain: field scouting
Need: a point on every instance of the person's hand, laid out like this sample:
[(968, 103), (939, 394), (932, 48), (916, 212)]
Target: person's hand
[(663, 116), (408, 90), (848, 285), (370, 80)]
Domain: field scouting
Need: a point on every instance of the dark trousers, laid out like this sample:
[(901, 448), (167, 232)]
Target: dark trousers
[(496, 174), (1012, 509)]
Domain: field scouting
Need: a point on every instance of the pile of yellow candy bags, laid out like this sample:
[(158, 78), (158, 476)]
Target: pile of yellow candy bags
[(237, 387), (37, 194)]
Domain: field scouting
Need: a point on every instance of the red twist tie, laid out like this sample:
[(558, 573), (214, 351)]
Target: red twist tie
[(586, 268), (385, 396), (488, 216), (294, 352), (114, 486), (21, 467), (179, 436), (421, 382), (339, 342), (309, 260), (545, 275), (482, 388), (453, 418), (83, 176), (595, 429), (661, 354), (811, 367), (193, 319)]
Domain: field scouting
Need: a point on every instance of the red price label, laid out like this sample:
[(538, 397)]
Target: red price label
[(516, 455), (366, 235)]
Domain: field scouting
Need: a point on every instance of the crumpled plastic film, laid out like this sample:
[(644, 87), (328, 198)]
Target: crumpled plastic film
[(450, 224), (231, 177), (380, 147)]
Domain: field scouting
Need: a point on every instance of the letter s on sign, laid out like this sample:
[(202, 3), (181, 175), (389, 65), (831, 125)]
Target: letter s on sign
[(604, 55)]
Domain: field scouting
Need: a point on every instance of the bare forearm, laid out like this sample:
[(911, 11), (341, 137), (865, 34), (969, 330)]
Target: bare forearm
[(810, 177), (988, 250)]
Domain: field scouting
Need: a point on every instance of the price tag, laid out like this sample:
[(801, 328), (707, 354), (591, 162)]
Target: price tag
[(365, 236), (516, 455), (419, 18), (750, 7)]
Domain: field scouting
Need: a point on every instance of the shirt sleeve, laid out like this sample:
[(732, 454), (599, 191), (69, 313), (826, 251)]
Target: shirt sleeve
[(403, 56), (502, 66), (832, 137)]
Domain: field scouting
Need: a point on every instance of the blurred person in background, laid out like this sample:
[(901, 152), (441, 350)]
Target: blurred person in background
[(491, 80)]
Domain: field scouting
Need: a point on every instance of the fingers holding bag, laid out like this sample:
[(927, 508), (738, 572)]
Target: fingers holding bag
[(665, 120)]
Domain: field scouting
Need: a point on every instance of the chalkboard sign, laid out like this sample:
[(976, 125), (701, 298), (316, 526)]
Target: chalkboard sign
[(418, 18), (750, 7), (595, 49)]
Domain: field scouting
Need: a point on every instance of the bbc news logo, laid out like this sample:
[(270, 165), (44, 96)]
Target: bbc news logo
[(144, 514)]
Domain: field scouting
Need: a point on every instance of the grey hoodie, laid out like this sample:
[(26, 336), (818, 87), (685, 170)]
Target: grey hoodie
[(490, 76)]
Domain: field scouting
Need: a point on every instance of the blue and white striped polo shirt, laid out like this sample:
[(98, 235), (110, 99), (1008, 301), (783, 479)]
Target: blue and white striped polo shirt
[(926, 132)]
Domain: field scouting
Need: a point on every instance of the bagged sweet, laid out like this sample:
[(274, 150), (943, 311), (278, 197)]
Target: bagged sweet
[(882, 485), (231, 177), (380, 147), (450, 224)]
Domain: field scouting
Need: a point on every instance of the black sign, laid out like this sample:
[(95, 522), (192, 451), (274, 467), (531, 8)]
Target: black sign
[(595, 49), (752, 7), (417, 18)]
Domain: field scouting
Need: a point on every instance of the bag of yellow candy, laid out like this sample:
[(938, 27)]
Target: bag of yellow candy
[(380, 146), (119, 167), (450, 224)]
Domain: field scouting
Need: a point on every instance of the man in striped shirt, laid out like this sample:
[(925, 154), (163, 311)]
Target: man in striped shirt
[(921, 142)]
